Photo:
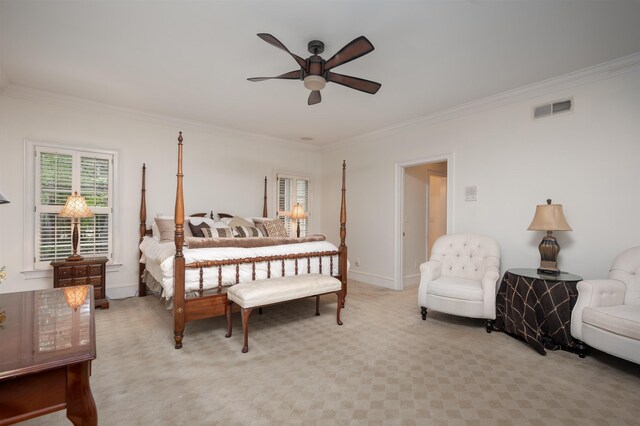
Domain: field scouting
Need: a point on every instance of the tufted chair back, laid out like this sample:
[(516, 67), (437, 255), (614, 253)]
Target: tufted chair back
[(466, 255), (626, 269)]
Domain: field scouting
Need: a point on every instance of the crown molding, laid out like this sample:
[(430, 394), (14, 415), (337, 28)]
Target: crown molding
[(4, 81), (38, 95), (545, 87)]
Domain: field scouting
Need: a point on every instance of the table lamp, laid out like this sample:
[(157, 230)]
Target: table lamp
[(549, 217), (75, 208), (296, 214)]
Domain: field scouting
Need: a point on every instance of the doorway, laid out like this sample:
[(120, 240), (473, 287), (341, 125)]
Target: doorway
[(423, 213)]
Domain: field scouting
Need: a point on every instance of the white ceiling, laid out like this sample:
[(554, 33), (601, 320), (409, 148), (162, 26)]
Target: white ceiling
[(191, 59)]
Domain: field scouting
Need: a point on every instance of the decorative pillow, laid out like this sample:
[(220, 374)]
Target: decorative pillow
[(261, 228), (238, 221), (166, 228), (275, 228), (196, 230), (246, 231), (220, 232)]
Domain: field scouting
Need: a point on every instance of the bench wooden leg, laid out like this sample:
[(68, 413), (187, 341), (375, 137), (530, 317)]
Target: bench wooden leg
[(340, 295), (317, 305), (245, 327), (229, 306)]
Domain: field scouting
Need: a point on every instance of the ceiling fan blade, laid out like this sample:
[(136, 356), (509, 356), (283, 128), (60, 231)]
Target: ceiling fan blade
[(314, 97), (357, 48), (360, 84), (276, 43), (291, 75)]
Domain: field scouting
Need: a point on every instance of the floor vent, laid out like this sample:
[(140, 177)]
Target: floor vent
[(554, 108)]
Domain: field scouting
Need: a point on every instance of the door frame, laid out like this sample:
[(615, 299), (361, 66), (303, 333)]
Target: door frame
[(398, 255)]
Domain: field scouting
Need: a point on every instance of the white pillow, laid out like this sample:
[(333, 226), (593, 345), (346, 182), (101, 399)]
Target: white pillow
[(198, 220)]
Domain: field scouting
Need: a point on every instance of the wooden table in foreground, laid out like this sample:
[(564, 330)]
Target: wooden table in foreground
[(47, 343)]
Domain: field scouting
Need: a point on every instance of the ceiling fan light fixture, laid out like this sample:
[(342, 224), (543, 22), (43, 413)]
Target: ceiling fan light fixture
[(314, 82)]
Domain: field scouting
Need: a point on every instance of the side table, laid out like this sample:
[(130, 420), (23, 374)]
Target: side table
[(537, 308), (88, 271)]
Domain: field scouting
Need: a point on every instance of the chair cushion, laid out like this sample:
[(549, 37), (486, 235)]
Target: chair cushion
[(276, 290), (623, 320), (456, 288)]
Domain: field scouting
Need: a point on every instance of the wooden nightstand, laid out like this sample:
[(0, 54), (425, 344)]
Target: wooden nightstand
[(90, 270)]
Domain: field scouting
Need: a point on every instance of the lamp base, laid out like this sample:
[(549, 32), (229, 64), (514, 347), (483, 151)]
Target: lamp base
[(74, 258), (549, 271)]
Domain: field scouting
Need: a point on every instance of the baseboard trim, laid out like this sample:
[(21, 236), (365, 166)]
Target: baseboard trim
[(373, 279), (122, 291)]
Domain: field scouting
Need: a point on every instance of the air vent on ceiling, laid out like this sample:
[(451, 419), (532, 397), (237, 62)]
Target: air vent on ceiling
[(553, 108)]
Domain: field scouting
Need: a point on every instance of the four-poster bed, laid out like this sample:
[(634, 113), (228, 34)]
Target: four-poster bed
[(203, 274)]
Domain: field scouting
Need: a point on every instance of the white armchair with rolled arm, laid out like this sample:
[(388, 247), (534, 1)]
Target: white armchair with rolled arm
[(607, 312), (461, 277)]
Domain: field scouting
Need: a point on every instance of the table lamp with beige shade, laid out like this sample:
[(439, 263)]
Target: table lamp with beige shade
[(549, 217), (296, 214), (75, 208)]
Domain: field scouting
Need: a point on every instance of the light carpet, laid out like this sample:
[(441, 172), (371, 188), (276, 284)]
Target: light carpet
[(383, 366)]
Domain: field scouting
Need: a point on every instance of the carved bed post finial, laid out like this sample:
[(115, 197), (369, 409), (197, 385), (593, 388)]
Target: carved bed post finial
[(264, 206), (178, 270), (142, 288)]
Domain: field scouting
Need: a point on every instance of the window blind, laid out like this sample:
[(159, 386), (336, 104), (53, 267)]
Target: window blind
[(292, 190), (60, 172)]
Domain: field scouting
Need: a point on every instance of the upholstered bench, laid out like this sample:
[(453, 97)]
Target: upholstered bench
[(260, 293)]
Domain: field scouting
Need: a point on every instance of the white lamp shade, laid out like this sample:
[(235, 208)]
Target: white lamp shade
[(76, 207), (297, 212)]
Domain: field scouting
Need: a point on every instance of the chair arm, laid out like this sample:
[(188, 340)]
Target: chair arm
[(429, 271), (489, 290), (592, 294)]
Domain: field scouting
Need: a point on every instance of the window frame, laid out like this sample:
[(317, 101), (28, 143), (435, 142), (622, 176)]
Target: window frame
[(31, 173), (294, 175)]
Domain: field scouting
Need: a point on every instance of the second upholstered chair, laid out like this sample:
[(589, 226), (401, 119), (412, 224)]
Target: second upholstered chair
[(460, 277)]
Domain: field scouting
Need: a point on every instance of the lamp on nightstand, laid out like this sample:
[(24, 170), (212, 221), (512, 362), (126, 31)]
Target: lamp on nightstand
[(75, 208), (296, 214), (549, 217)]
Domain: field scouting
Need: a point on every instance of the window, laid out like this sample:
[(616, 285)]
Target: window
[(292, 190), (58, 173)]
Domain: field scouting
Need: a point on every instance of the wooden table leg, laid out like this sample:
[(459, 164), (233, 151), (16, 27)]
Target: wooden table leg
[(81, 408), (229, 306), (245, 327), (317, 305), (340, 295)]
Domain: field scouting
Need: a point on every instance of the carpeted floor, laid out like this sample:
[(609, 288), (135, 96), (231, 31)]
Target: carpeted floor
[(383, 366)]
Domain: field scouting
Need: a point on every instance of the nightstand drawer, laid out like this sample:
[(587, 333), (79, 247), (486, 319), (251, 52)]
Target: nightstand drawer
[(95, 281), (79, 271), (95, 270), (64, 271)]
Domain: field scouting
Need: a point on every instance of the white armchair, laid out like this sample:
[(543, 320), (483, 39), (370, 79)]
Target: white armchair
[(461, 277), (607, 313)]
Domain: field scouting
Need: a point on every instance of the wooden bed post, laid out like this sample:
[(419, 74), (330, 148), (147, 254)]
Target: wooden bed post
[(142, 287), (178, 268), (343, 233), (264, 206)]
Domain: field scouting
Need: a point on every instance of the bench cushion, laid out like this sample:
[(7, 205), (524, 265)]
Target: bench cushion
[(276, 290)]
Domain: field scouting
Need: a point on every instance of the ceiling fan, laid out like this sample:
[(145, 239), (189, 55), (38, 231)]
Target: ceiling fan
[(315, 72)]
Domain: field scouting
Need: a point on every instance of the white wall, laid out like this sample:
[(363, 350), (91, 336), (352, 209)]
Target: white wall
[(224, 171), (586, 160)]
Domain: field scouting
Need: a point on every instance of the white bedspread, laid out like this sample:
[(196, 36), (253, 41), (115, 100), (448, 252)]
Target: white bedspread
[(153, 251)]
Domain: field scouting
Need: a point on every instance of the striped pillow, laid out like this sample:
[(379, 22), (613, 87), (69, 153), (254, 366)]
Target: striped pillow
[(222, 232), (246, 231)]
